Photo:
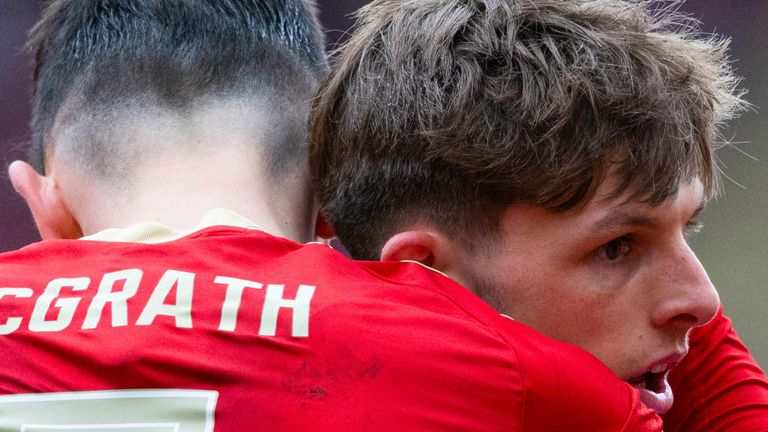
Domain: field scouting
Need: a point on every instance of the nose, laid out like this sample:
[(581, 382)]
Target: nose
[(687, 297)]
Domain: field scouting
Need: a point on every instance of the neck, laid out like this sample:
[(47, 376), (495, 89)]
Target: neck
[(178, 192)]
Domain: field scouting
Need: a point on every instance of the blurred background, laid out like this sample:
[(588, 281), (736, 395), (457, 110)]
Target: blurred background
[(733, 244)]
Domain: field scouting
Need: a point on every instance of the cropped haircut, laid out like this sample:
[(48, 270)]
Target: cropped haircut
[(97, 59), (449, 111)]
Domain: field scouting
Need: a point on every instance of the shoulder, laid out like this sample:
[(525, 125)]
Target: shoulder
[(567, 380)]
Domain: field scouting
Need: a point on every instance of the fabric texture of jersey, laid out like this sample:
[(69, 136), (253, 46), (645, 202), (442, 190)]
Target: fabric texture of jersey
[(230, 329), (719, 386)]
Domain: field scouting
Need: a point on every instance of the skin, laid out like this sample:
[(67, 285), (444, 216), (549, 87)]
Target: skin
[(615, 277), (193, 165)]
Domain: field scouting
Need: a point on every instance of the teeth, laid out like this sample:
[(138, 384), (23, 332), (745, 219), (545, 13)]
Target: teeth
[(642, 381)]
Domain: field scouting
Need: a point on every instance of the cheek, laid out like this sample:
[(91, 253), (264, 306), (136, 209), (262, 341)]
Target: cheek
[(553, 306), (583, 316), (575, 303), (609, 280), (609, 325), (575, 316)]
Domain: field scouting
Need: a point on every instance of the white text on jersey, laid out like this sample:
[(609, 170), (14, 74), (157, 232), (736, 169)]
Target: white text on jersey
[(179, 308)]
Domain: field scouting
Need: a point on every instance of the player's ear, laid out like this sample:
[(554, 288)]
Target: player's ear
[(429, 247), (52, 216)]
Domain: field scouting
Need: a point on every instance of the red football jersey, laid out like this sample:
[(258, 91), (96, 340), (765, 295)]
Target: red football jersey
[(230, 329), (718, 387)]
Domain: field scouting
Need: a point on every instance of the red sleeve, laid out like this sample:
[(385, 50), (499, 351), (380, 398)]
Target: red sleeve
[(718, 386), (567, 389)]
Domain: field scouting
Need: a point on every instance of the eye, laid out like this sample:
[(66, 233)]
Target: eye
[(614, 249), (692, 228)]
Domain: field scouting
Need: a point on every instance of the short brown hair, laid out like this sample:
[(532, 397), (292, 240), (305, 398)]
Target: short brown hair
[(448, 111)]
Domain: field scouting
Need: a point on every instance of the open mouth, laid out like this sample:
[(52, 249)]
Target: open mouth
[(654, 382), (654, 388)]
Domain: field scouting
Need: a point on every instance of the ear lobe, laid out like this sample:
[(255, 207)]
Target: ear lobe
[(420, 246), (52, 216)]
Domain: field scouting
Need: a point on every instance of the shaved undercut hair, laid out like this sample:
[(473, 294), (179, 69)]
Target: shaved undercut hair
[(106, 69)]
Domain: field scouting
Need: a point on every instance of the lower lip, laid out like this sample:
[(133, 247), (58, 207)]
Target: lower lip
[(659, 402)]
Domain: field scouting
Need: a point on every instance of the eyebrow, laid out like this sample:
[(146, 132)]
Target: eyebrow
[(619, 218)]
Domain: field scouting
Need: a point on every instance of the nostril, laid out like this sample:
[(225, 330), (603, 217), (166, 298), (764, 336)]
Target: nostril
[(688, 320)]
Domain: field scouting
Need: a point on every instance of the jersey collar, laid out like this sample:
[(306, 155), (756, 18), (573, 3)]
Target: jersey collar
[(153, 232)]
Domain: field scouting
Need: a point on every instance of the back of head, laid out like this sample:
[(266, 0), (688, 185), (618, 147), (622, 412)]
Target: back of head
[(447, 112), (108, 72)]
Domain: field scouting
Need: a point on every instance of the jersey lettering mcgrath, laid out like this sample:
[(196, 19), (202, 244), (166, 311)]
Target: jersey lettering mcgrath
[(55, 308)]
